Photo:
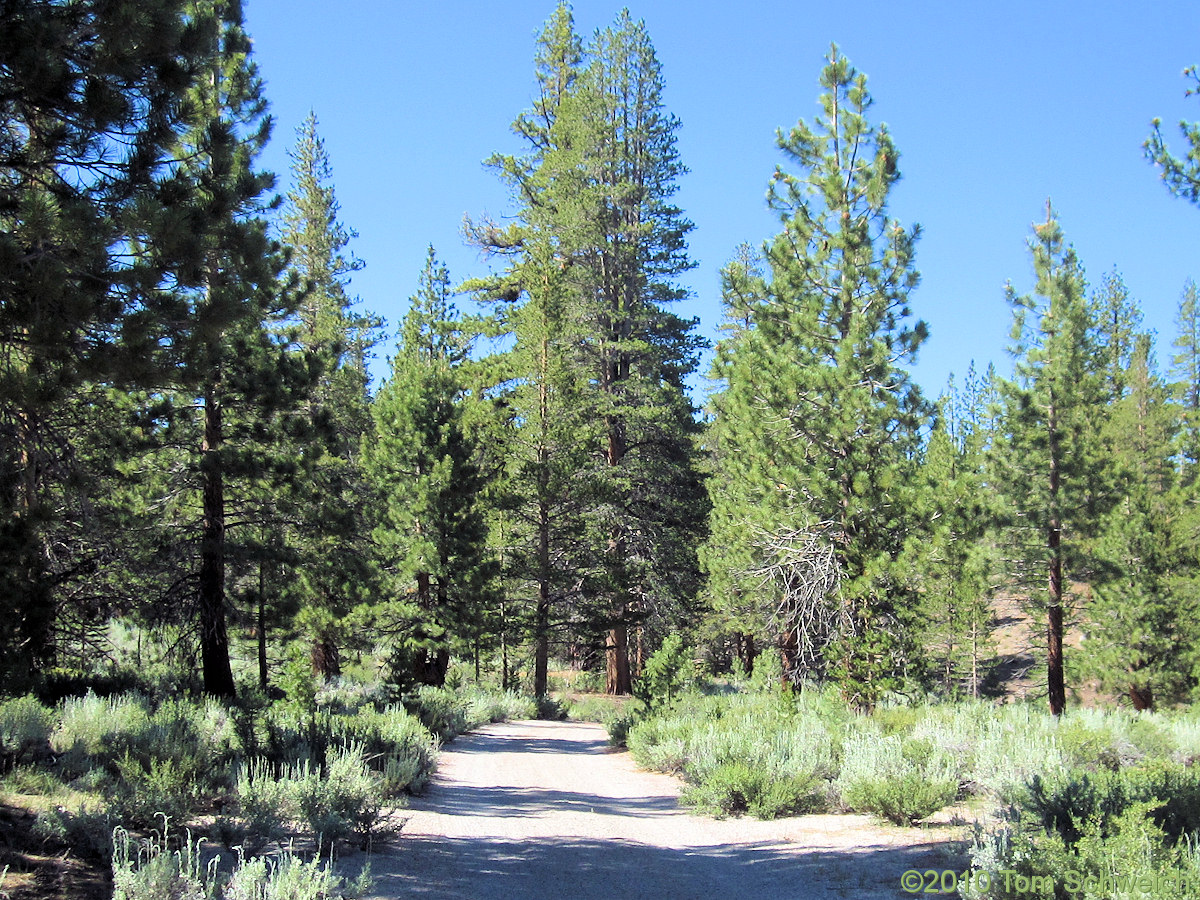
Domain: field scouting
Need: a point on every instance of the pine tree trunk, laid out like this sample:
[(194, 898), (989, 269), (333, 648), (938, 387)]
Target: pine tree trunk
[(616, 646), (429, 667), (541, 652), (214, 639), (789, 656), (975, 660), (541, 624), (1142, 697), (325, 656), (749, 654), (617, 652), (640, 658), (262, 628), (1054, 632)]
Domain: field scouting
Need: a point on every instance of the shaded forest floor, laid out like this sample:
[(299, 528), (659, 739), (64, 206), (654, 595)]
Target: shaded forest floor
[(36, 869)]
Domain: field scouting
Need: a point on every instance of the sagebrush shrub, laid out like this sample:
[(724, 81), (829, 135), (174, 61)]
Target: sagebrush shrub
[(746, 753), (904, 781), (287, 877), (265, 802), (147, 790), (94, 731), (25, 726), (396, 744), (344, 800), (440, 710)]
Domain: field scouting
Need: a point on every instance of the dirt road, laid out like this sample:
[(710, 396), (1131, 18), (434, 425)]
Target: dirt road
[(544, 811)]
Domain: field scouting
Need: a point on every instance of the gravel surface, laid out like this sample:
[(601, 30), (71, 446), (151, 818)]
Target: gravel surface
[(545, 811)]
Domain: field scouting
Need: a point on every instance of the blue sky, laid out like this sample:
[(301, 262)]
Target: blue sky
[(995, 107)]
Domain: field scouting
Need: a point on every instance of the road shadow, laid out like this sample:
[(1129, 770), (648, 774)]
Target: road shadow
[(482, 742), (439, 868), (524, 802)]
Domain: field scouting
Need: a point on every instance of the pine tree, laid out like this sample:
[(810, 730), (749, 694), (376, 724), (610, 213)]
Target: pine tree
[(955, 564), (242, 371), (1117, 321), (1140, 616), (1051, 460), (430, 531), (749, 500), (545, 433), (833, 418), (334, 576), (625, 244), (1181, 176), (1185, 366), (595, 193), (90, 103)]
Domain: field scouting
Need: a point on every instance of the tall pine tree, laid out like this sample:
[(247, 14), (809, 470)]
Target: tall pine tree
[(334, 575), (430, 532), (1051, 461), (1140, 616), (624, 242), (833, 417), (597, 246), (91, 102), (236, 372)]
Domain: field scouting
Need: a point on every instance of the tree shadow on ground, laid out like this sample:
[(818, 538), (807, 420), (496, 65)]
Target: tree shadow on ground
[(482, 742), (438, 868), (526, 802)]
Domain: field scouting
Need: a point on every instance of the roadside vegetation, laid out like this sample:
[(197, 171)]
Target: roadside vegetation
[(272, 789), (1093, 795)]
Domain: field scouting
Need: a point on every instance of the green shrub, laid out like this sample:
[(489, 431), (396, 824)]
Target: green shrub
[(25, 726), (619, 727), (904, 781), (146, 791), (898, 720), (588, 682), (768, 669), (1106, 861), (265, 803), (344, 801), (1067, 802), (550, 709), (903, 800), (87, 832), (734, 788), (287, 877)]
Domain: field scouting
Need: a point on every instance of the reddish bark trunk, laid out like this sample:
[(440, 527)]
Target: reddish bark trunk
[(214, 638)]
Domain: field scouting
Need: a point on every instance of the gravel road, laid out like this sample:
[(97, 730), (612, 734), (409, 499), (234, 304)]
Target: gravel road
[(545, 811)]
